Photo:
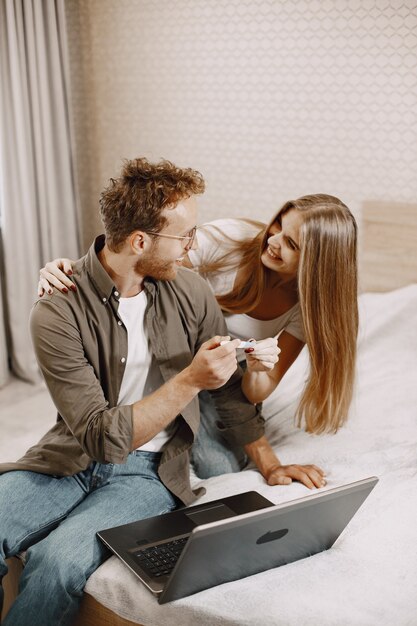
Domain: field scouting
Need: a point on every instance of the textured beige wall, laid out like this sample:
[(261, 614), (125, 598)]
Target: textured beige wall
[(270, 100)]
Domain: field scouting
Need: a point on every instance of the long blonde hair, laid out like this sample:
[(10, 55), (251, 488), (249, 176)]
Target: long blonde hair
[(327, 290)]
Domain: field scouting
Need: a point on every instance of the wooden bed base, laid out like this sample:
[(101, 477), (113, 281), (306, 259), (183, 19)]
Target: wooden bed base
[(91, 613)]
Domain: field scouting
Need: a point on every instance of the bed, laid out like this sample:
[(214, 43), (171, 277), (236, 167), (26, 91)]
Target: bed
[(369, 576)]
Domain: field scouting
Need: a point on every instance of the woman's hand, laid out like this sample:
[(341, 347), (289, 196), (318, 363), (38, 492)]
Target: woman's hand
[(309, 475), (263, 355), (55, 274), (267, 462)]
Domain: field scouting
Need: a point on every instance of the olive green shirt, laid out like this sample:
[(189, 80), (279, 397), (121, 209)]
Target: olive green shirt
[(81, 347)]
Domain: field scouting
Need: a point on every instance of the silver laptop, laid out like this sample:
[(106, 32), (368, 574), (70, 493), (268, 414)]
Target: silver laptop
[(198, 547)]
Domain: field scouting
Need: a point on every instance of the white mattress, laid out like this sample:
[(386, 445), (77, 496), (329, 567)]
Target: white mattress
[(369, 577)]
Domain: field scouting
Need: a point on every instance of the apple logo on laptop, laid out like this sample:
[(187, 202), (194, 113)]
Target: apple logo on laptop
[(272, 535)]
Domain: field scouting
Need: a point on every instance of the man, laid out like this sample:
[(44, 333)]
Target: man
[(124, 359)]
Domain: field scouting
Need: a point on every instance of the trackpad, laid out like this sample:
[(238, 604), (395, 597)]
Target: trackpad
[(210, 514)]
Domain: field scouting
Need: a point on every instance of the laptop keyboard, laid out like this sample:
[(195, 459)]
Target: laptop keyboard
[(160, 560)]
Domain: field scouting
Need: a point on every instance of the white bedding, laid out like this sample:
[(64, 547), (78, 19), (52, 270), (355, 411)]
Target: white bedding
[(369, 577)]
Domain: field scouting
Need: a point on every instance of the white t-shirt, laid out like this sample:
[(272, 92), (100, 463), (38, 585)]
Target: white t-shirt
[(213, 243), (142, 375)]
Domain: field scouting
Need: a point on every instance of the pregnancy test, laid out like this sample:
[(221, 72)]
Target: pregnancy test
[(243, 344)]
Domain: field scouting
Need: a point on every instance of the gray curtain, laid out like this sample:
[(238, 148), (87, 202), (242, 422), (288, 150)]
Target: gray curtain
[(4, 370), (38, 192)]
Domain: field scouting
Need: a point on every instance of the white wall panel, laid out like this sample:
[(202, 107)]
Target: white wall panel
[(270, 100)]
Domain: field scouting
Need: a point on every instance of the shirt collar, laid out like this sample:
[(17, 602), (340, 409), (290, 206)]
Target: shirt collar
[(98, 275)]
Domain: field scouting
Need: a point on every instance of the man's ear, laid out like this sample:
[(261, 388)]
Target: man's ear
[(139, 242)]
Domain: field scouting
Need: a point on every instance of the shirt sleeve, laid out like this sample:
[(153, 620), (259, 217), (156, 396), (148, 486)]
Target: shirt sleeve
[(218, 237), (295, 325), (104, 434)]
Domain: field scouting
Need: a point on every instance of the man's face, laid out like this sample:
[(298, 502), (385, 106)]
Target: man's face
[(166, 253)]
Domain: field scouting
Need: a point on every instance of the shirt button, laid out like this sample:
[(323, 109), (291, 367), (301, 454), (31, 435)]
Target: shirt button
[(120, 323), (116, 293), (104, 299), (122, 360)]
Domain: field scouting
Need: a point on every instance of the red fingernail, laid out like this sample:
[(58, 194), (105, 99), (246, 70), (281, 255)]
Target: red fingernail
[(73, 287), (50, 291), (64, 289), (69, 273), (250, 350)]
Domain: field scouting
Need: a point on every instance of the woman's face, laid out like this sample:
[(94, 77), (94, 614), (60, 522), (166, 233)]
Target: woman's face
[(282, 252)]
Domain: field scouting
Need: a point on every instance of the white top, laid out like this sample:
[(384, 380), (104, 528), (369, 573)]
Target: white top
[(213, 243), (142, 375)]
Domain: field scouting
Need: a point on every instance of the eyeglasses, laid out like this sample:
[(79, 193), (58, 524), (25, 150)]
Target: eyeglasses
[(190, 236)]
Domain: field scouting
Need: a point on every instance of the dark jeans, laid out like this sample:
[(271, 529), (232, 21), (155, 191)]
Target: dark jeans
[(211, 455)]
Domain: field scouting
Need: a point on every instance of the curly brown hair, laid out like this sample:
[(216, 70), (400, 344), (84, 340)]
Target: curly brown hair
[(136, 200)]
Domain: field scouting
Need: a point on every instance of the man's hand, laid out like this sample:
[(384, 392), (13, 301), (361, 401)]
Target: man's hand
[(55, 274), (213, 364), (262, 356), (309, 475)]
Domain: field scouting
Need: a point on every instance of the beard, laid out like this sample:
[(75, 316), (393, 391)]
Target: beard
[(156, 268)]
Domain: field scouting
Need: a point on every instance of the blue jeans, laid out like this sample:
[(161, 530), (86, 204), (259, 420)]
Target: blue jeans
[(56, 520), (211, 455)]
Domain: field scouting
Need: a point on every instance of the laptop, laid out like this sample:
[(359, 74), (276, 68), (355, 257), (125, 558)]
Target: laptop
[(195, 548)]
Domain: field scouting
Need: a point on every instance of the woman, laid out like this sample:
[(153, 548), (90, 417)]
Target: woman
[(296, 277)]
